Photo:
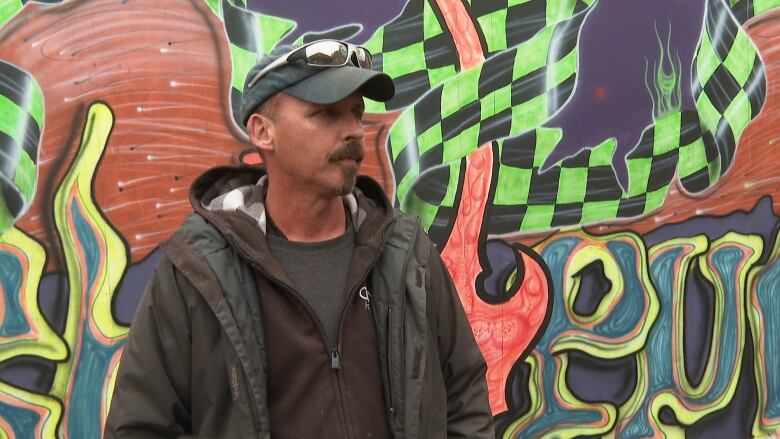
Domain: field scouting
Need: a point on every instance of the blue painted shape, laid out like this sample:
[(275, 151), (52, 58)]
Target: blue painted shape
[(768, 294), (94, 359), (91, 371), (729, 345), (14, 322), (21, 420), (88, 242), (630, 310), (658, 348), (622, 320), (660, 357)]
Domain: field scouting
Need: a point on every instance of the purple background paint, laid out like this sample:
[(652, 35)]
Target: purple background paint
[(319, 16)]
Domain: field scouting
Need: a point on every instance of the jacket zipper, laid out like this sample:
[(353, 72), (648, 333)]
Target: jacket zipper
[(330, 353), (335, 363), (333, 353), (336, 353), (389, 353)]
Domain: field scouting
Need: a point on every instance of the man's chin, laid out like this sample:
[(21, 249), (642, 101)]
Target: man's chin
[(345, 188), (348, 185)]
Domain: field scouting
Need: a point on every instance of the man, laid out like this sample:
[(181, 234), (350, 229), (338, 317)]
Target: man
[(295, 303)]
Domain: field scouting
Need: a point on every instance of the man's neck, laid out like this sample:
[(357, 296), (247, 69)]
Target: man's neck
[(306, 217)]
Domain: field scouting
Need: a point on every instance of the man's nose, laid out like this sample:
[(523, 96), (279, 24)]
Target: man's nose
[(355, 128)]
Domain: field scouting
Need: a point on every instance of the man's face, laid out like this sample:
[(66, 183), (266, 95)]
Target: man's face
[(318, 147)]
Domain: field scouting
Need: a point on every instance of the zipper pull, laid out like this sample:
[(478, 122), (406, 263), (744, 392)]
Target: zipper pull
[(366, 296), (335, 364)]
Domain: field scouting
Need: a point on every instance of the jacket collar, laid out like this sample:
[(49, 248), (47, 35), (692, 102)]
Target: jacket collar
[(250, 199), (230, 198)]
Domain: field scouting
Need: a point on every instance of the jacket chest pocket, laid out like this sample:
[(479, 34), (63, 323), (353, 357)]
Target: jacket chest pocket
[(388, 332), (415, 322)]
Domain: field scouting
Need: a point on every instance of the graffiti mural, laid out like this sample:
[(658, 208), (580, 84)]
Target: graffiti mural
[(596, 174)]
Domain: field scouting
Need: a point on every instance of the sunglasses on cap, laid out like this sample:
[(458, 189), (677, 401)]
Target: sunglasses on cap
[(321, 53)]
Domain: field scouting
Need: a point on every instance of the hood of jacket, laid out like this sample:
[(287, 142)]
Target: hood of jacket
[(230, 198)]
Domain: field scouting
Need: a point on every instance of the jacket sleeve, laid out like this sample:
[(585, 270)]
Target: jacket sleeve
[(152, 387), (463, 366)]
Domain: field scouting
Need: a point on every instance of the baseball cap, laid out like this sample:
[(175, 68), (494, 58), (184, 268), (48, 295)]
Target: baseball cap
[(316, 84)]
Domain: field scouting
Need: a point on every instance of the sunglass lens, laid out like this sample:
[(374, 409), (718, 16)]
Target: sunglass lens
[(363, 57), (327, 53)]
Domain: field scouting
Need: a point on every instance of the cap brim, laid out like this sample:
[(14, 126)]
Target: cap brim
[(334, 84)]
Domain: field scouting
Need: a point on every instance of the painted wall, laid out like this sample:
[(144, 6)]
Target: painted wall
[(599, 176)]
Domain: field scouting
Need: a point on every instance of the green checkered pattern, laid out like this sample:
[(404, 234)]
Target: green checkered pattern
[(506, 23), (746, 9), (652, 164), (417, 50), (509, 97), (729, 88), (510, 93), (9, 9), (250, 36), (581, 188), (664, 148), (687, 143), (21, 125)]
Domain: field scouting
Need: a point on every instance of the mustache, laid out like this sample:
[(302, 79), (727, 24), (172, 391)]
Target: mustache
[(352, 149)]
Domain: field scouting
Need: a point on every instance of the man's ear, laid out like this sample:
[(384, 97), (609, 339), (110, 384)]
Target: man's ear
[(260, 129)]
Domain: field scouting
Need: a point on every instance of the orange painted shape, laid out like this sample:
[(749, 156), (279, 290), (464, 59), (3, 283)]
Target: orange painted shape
[(463, 32), (503, 332)]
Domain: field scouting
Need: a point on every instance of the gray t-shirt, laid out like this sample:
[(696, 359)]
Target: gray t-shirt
[(318, 272)]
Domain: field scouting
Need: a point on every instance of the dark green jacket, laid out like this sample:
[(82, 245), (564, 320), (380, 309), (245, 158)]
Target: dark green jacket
[(195, 359)]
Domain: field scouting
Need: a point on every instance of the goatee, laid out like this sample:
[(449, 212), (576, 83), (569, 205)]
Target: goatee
[(352, 150), (350, 178)]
